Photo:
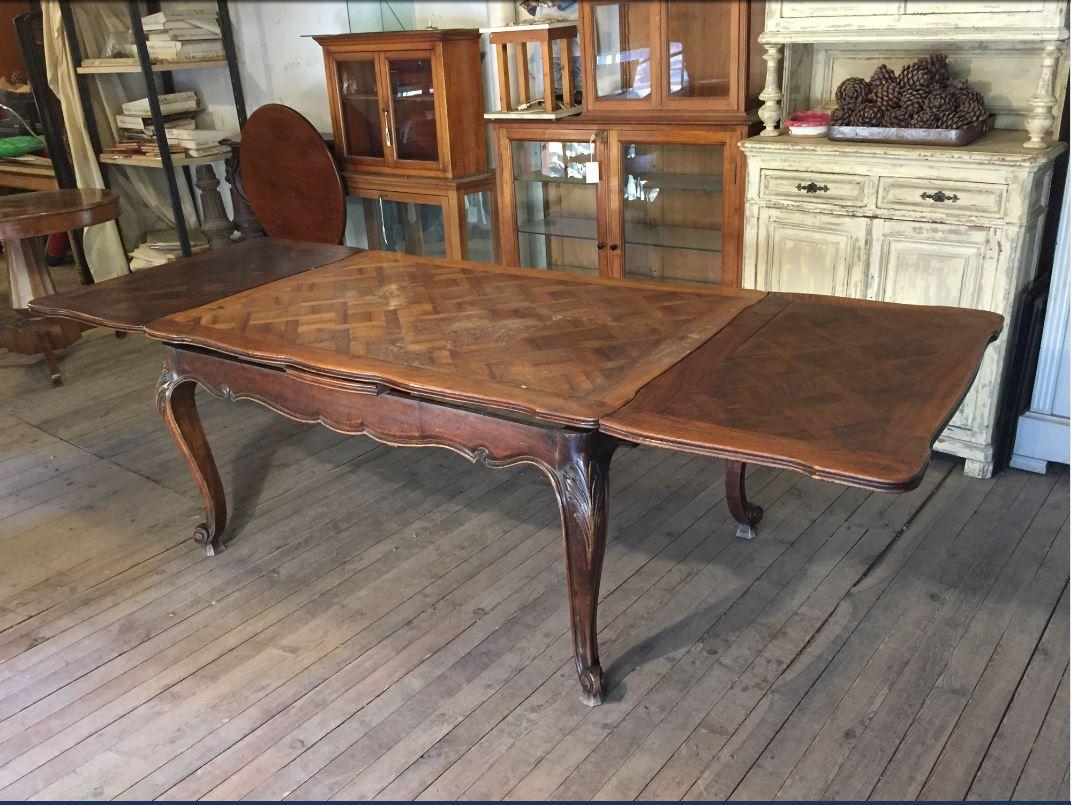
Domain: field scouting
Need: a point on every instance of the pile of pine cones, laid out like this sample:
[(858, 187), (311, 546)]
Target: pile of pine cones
[(923, 96)]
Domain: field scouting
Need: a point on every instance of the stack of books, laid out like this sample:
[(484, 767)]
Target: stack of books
[(137, 136), (162, 246), (185, 32)]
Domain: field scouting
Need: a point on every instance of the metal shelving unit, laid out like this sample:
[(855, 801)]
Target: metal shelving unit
[(149, 71)]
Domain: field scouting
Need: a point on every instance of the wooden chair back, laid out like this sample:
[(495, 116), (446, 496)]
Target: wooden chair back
[(290, 178)]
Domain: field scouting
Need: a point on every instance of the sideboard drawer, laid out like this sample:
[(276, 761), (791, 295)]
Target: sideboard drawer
[(946, 199), (842, 189)]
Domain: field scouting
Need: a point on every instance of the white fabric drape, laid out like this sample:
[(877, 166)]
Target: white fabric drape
[(144, 203)]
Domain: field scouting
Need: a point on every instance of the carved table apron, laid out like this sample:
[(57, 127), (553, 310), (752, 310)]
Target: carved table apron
[(510, 366)]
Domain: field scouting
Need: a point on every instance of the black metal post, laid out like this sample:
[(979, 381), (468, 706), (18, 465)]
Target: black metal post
[(158, 126), (227, 32)]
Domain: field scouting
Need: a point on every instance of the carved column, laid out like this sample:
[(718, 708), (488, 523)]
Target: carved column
[(1043, 101), (244, 219), (217, 227), (771, 95)]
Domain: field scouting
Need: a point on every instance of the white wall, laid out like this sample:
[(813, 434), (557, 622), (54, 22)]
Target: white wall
[(277, 64)]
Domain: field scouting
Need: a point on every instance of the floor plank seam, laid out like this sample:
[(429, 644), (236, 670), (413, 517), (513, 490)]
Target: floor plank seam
[(1011, 699)]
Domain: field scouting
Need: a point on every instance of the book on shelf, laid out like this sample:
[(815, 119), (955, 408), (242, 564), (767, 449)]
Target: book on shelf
[(182, 35), (170, 103), (134, 124), (114, 61), (168, 240), (207, 150), (173, 15), (185, 51), (197, 137)]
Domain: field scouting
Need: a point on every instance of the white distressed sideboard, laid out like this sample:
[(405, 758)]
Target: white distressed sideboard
[(935, 226)]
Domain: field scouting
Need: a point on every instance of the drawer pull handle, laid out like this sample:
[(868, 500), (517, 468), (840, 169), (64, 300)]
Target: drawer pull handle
[(812, 188), (941, 196)]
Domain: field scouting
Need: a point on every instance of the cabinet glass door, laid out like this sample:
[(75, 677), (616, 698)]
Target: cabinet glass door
[(672, 211), (396, 226), (556, 207), (626, 57), (362, 123), (412, 99), (699, 49)]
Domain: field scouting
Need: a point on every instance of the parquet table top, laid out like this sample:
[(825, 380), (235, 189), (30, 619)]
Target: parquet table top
[(847, 390), (561, 348), (844, 390), (133, 300)]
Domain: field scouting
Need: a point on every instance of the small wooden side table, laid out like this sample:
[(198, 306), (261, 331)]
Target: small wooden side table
[(24, 219)]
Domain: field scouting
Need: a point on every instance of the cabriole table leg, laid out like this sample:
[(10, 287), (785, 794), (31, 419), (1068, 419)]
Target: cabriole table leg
[(581, 484), (746, 514), (175, 399)]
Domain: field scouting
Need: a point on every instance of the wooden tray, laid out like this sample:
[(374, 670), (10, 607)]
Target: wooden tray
[(878, 134)]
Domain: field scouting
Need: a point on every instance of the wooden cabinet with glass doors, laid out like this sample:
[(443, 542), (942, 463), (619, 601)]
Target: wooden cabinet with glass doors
[(625, 200), (407, 102), (681, 58)]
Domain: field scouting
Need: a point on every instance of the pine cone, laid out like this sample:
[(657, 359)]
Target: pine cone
[(852, 92), (840, 117), (897, 118), (973, 113), (915, 76), (969, 97), (913, 100), (940, 101), (867, 114), (924, 120), (938, 64), (885, 94), (882, 73), (951, 120)]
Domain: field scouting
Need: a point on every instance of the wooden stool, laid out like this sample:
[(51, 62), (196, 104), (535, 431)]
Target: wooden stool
[(541, 35), (24, 219)]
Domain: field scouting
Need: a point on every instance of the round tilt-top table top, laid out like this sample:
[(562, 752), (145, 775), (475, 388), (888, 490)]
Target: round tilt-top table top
[(24, 215)]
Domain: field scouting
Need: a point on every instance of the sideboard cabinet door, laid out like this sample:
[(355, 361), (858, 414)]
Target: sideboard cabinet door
[(920, 263), (805, 252)]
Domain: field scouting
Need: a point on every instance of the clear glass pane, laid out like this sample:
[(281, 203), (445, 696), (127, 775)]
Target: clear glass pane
[(555, 206), (413, 100), (360, 108), (673, 212), (699, 49), (479, 227), (623, 42), (396, 226)]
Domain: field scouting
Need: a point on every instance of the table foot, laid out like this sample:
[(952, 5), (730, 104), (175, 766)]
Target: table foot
[(746, 514), (592, 692), (175, 399), (37, 335)]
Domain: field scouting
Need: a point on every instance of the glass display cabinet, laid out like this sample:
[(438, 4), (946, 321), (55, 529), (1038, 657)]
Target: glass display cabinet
[(676, 56), (627, 201), (427, 217), (407, 102), (408, 129)]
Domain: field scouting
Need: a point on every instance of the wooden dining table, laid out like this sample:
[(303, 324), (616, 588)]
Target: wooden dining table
[(512, 366)]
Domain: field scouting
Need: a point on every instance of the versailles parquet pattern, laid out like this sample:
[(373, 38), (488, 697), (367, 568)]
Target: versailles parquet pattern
[(569, 350), (849, 391), (131, 301)]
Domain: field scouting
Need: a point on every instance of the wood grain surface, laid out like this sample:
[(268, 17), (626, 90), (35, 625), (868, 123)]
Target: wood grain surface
[(844, 390), (131, 301), (24, 215), (562, 348), (290, 177)]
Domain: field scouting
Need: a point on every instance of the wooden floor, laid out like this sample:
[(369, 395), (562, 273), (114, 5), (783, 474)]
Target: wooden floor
[(392, 623)]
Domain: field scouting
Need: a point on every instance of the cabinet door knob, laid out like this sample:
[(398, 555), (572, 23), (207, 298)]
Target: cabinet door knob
[(613, 247), (940, 197), (600, 246), (811, 187)]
